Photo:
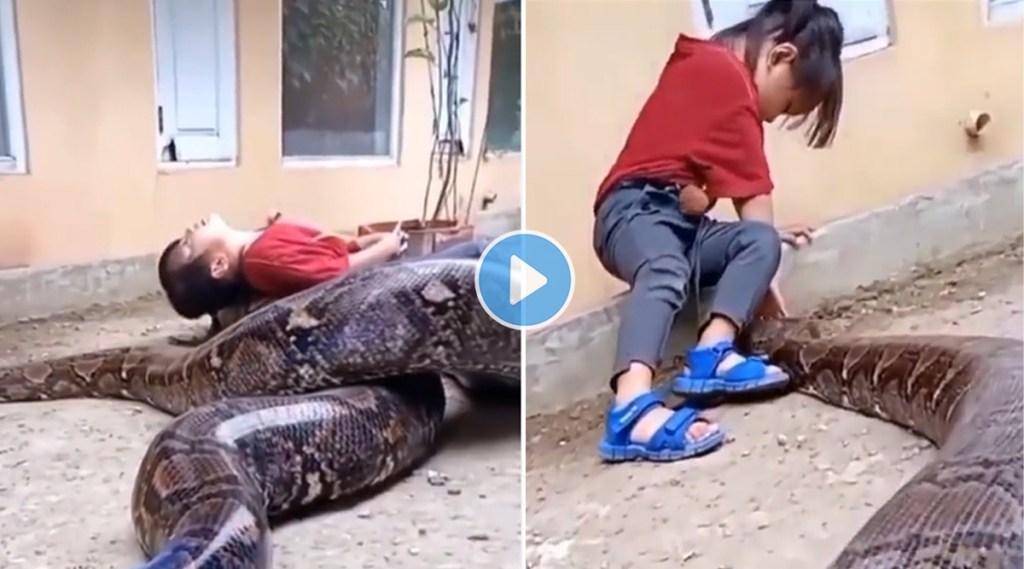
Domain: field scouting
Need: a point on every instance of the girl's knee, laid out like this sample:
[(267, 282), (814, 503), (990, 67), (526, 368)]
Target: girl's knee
[(762, 238)]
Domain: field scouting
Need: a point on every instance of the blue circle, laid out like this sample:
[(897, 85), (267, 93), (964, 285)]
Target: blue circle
[(527, 253)]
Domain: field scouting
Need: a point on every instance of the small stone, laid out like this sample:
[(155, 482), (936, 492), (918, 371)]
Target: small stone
[(852, 472), (759, 519), (435, 478), (782, 441)]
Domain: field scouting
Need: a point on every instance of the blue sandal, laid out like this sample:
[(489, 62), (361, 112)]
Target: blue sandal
[(670, 443), (702, 377)]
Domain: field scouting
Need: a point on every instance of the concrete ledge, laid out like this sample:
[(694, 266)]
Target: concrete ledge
[(571, 361), (30, 293), (41, 292)]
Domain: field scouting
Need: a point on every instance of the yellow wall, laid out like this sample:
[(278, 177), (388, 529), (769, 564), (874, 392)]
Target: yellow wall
[(93, 190), (589, 68)]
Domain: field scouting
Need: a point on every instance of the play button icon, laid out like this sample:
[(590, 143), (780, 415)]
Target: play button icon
[(524, 280)]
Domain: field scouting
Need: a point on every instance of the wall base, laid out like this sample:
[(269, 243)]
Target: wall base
[(572, 360)]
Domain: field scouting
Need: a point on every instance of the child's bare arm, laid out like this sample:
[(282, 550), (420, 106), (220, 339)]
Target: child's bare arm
[(756, 208), (365, 241), (387, 246)]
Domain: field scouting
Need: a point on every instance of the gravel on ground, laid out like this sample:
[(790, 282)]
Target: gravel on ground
[(798, 477), (68, 469)]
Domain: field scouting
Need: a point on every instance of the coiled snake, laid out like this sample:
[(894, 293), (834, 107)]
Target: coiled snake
[(319, 395), (965, 509)]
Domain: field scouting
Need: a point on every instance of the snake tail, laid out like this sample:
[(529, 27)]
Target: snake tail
[(212, 482), (114, 373)]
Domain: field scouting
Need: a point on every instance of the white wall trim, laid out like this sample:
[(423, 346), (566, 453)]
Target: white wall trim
[(996, 13), (465, 72), (186, 166), (17, 161), (850, 50), (397, 82), (860, 49), (335, 162)]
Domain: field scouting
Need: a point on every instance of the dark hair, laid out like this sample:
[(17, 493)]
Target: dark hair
[(191, 289), (817, 34)]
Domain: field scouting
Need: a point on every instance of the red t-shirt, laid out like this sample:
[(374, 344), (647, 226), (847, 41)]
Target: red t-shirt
[(701, 126), (290, 257)]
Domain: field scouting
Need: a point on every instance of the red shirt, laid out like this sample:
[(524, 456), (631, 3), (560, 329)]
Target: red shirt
[(701, 126), (289, 257)]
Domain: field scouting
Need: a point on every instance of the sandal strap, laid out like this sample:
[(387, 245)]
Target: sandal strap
[(720, 351), (723, 349), (624, 418), (674, 431)]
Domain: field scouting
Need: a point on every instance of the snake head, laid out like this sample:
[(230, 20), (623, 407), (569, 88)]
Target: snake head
[(767, 335)]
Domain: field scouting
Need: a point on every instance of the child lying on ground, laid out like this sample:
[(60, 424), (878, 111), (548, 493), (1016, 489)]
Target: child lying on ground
[(214, 266)]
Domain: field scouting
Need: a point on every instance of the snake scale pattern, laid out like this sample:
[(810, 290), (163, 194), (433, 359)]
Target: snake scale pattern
[(338, 389), (320, 395), (965, 394)]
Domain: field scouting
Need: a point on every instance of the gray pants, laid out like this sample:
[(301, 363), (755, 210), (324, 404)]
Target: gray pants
[(642, 237)]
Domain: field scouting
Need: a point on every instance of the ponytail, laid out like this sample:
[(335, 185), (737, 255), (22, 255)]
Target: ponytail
[(817, 34)]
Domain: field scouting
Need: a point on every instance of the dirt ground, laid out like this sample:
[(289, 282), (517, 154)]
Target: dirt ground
[(797, 478), (67, 470)]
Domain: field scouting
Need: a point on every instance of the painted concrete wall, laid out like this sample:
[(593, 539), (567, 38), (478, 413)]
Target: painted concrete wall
[(94, 191), (589, 67)]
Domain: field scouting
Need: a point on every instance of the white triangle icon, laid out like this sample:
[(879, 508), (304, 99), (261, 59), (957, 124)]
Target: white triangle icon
[(525, 281)]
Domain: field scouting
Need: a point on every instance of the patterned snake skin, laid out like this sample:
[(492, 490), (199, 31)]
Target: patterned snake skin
[(323, 394), (965, 394)]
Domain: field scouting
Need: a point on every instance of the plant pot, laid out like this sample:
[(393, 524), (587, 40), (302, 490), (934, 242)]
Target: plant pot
[(425, 237)]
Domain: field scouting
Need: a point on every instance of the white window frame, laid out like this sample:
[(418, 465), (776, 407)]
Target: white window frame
[(227, 92), (1000, 12), (17, 161), (465, 73), (522, 112), (398, 29), (850, 50)]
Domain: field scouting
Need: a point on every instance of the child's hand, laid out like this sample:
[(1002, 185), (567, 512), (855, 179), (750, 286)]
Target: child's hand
[(797, 235), (403, 238), (393, 243)]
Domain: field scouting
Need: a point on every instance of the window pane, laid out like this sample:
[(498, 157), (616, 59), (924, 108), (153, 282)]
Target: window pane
[(5, 142), (337, 77), (503, 117)]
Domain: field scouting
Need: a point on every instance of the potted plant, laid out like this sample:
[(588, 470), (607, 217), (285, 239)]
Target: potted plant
[(439, 226)]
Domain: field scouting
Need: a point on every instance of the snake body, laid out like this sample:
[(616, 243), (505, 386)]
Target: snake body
[(323, 394), (965, 394)]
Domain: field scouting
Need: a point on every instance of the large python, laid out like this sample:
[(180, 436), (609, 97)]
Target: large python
[(326, 393), (965, 394)]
